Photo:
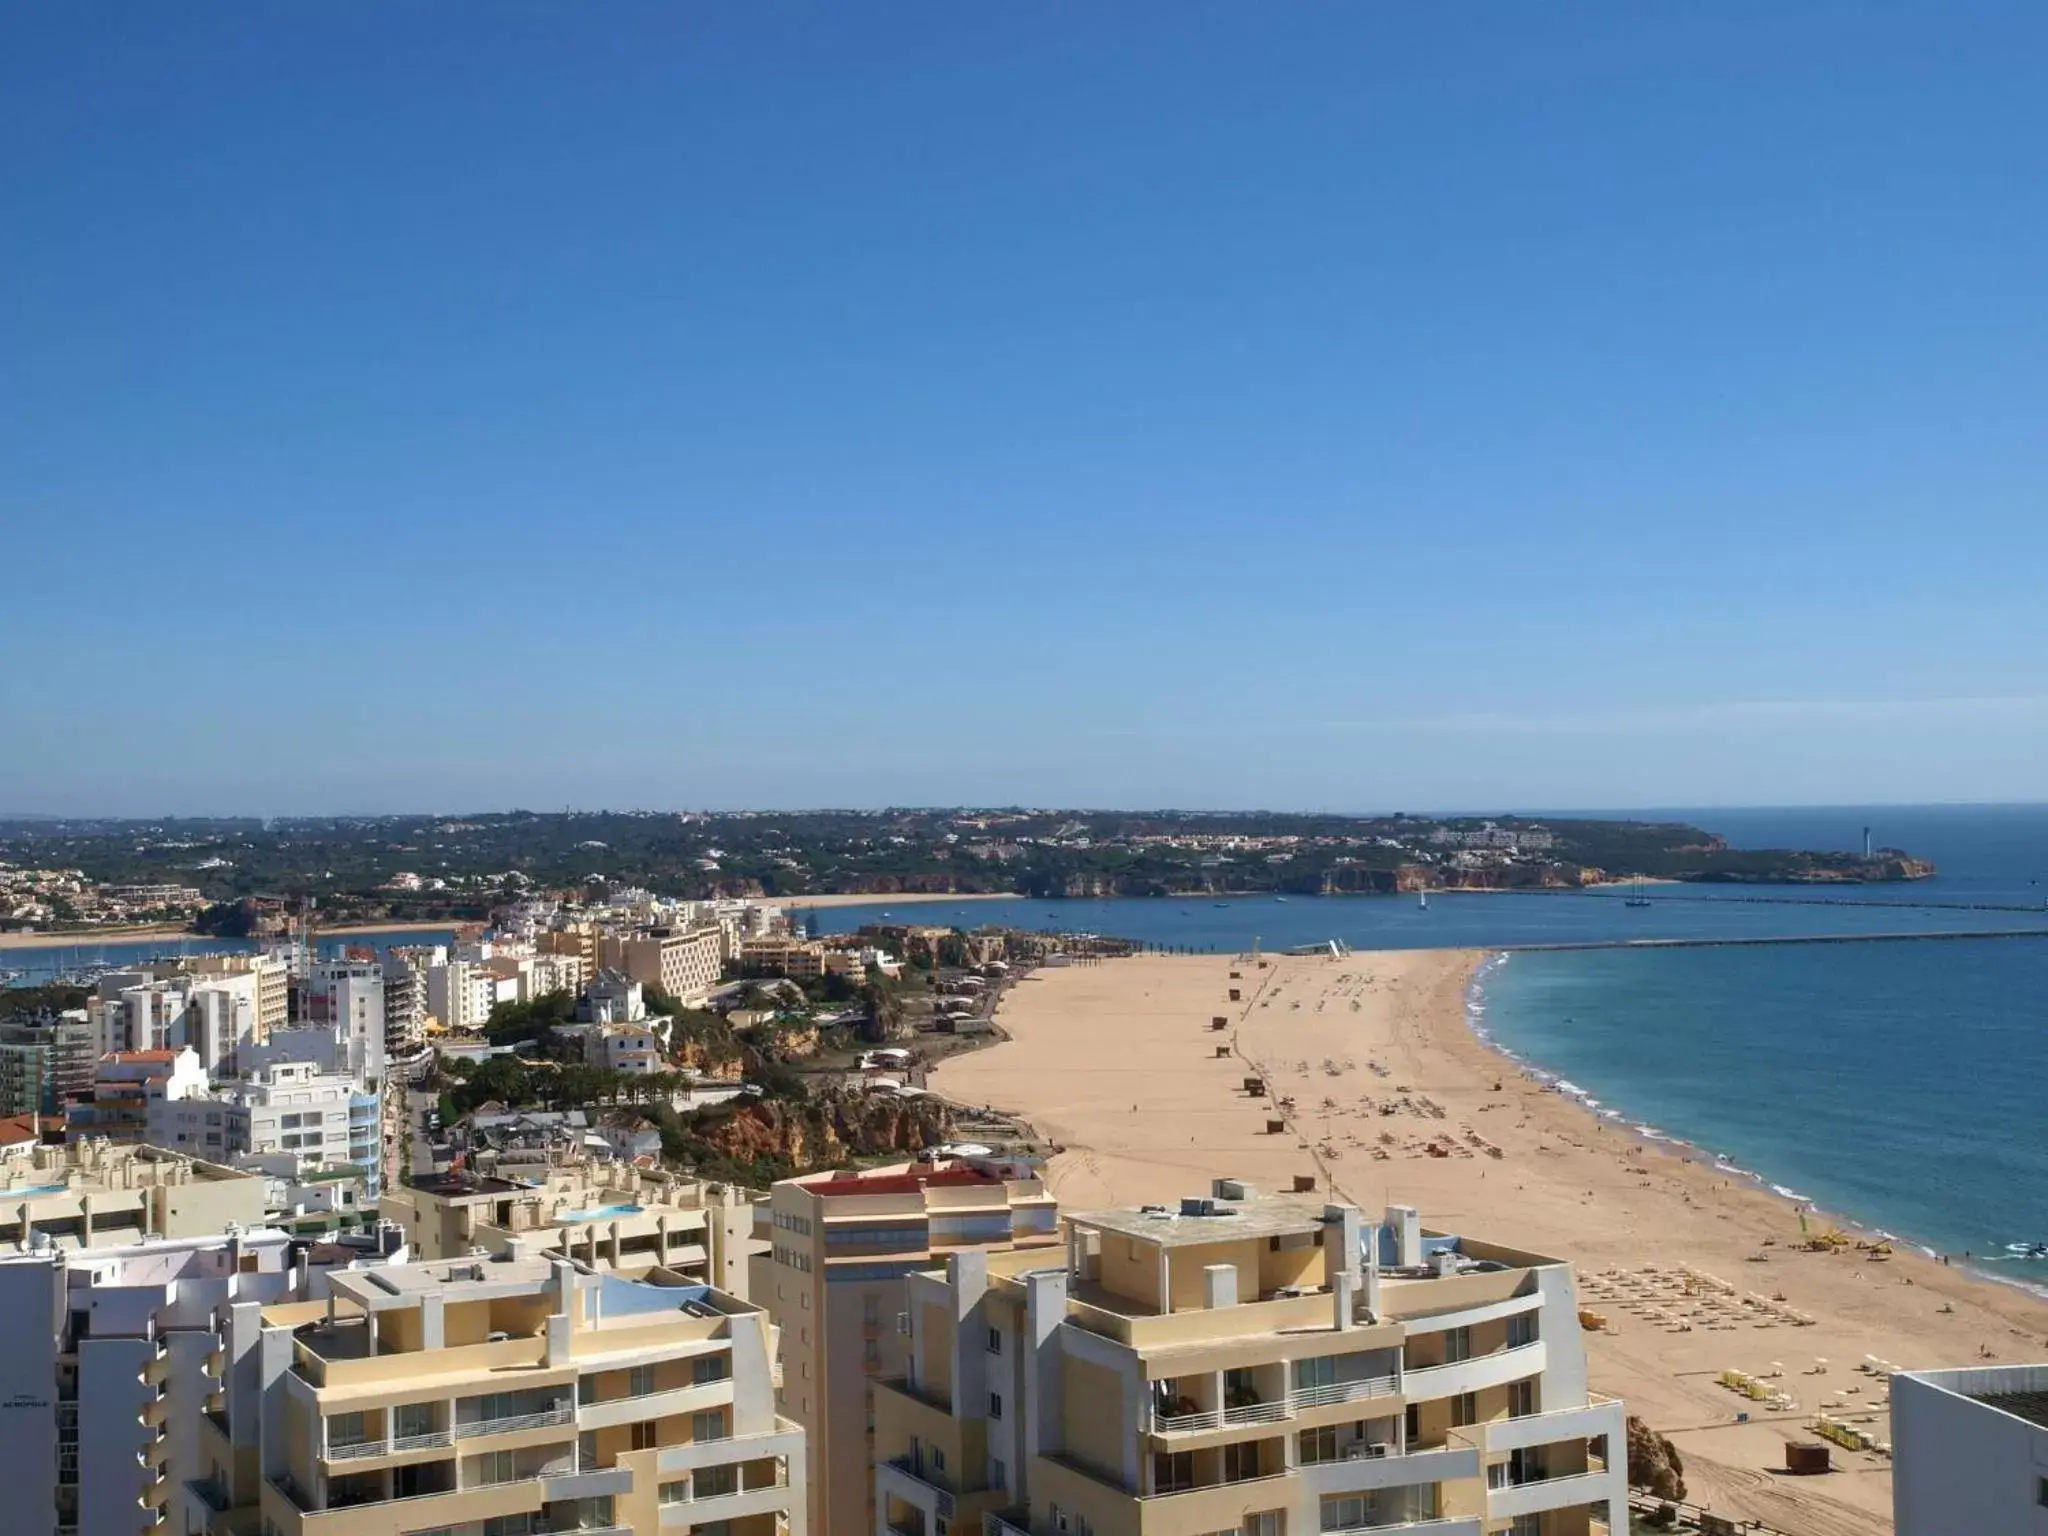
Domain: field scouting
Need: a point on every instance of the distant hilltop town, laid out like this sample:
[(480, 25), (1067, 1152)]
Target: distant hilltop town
[(237, 876)]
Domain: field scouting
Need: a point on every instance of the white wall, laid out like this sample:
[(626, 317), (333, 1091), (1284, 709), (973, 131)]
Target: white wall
[(1959, 1465)]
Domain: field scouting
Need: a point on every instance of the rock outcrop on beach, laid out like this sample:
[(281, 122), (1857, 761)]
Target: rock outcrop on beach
[(1653, 1462), (824, 1132)]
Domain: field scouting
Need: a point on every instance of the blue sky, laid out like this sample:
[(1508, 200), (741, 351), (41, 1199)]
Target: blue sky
[(1346, 406)]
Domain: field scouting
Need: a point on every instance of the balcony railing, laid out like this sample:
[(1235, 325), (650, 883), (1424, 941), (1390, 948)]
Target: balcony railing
[(942, 1501), (425, 1440), (357, 1450), (513, 1423), (1279, 1408), (1344, 1391)]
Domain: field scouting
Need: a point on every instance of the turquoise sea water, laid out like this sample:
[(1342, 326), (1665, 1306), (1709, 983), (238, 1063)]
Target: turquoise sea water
[(1902, 1084)]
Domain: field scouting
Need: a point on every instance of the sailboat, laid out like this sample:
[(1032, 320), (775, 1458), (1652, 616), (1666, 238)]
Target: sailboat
[(1636, 898)]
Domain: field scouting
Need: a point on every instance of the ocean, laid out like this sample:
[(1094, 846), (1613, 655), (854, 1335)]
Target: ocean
[(1903, 1085)]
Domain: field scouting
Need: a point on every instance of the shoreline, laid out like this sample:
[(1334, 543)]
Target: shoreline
[(899, 898), (1656, 1138), (1395, 1097)]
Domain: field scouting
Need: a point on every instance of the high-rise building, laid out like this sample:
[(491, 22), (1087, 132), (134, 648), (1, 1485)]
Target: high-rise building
[(221, 1017), (523, 1395), (405, 997), (46, 1063), (349, 996), (1248, 1365), (1970, 1450), (841, 1245), (114, 1370), (273, 974)]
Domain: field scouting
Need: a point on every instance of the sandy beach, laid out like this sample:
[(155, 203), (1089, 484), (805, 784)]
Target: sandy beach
[(1117, 1064)]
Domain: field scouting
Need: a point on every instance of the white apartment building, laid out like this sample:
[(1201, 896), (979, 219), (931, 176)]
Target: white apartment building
[(460, 994), (221, 1014), (113, 1372), (273, 975), (1970, 1451), (288, 1118), (134, 1011), (349, 994)]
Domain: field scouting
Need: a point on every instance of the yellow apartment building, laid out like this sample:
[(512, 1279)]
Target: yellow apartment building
[(610, 1216), (1246, 1365), (99, 1194), (841, 1245), (503, 1397)]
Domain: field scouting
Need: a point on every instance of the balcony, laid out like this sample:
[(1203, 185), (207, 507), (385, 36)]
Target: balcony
[(512, 1424), (1566, 1492), (356, 1450), (1365, 1474), (612, 1411), (913, 1485), (1454, 1525), (209, 1493), (1429, 1382), (1279, 1409)]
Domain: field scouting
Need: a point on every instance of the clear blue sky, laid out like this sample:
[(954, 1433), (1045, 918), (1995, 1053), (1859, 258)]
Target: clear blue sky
[(444, 406)]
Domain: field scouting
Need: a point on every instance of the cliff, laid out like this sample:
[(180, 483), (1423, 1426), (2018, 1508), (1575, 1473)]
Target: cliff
[(825, 1132)]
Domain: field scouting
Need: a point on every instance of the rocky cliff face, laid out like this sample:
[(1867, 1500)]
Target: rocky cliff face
[(827, 1131)]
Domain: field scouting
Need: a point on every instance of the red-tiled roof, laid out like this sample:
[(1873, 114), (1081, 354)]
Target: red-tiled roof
[(127, 1056), (15, 1129)]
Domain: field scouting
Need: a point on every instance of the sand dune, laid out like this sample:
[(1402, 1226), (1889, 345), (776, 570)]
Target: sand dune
[(1118, 1064)]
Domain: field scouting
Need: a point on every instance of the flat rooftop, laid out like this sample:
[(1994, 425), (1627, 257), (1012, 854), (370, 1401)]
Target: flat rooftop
[(460, 1184), (897, 1181), (1230, 1221), (2031, 1406)]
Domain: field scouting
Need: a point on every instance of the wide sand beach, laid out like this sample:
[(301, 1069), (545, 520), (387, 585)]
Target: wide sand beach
[(1395, 1099)]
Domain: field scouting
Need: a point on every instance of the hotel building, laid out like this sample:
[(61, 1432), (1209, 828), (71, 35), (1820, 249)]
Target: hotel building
[(508, 1397), (608, 1216), (98, 1194), (685, 965), (841, 1245), (1233, 1366)]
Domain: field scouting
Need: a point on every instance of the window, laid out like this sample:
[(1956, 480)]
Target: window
[(715, 1482), (1351, 1512), (1521, 1329), (709, 1426), (1521, 1398), (495, 1467), (409, 1419), (1265, 1523), (938, 1459), (1320, 1372), (676, 1492), (995, 1405), (644, 1435), (1241, 1461), (586, 1389), (640, 1381), (1318, 1445), (998, 1474), (1457, 1345), (1464, 1410), (1172, 1471), (995, 1341), (706, 1369), (2041, 1491), (346, 1429)]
